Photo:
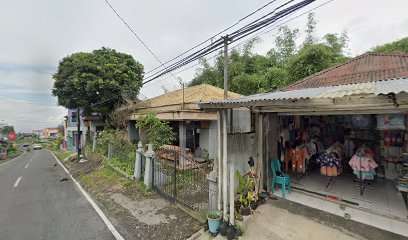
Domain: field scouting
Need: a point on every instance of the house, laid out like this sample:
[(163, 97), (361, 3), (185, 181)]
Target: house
[(93, 124), (38, 133), (195, 128), (51, 132), (71, 130), (356, 111)]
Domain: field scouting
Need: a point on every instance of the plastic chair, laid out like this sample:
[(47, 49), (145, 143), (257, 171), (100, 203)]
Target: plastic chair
[(283, 181)]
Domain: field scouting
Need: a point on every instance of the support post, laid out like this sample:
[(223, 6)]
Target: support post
[(272, 143), (148, 175), (109, 150), (183, 143), (94, 142), (226, 67), (220, 159), (138, 164), (79, 133), (232, 193), (225, 164)]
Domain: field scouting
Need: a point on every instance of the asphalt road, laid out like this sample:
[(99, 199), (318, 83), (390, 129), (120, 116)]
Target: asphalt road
[(35, 204)]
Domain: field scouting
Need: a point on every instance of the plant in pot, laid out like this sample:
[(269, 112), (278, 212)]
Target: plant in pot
[(214, 219), (245, 197)]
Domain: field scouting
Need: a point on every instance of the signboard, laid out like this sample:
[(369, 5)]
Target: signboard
[(12, 136)]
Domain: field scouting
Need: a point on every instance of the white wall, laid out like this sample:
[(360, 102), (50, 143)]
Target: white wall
[(209, 138)]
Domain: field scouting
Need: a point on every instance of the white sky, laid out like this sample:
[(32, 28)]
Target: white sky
[(35, 35)]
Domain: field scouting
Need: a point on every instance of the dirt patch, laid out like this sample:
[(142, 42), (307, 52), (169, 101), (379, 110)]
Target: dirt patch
[(135, 212)]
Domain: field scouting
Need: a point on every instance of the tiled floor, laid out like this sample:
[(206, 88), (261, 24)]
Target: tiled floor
[(382, 206)]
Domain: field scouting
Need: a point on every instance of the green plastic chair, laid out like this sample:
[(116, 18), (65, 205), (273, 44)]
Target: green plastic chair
[(276, 180)]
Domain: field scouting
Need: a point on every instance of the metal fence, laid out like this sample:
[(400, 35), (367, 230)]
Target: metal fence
[(187, 185)]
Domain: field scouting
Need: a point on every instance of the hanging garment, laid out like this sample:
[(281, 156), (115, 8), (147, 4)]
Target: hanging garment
[(329, 171), (298, 159), (369, 175), (365, 163), (329, 159)]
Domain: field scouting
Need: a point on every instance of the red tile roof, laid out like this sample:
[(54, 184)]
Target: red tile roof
[(368, 67)]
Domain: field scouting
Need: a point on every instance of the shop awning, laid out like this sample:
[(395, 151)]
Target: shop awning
[(370, 88)]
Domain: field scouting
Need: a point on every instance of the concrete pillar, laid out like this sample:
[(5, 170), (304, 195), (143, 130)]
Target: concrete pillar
[(272, 143), (138, 162), (232, 192), (224, 165), (148, 175), (94, 142), (183, 143), (212, 191), (219, 159)]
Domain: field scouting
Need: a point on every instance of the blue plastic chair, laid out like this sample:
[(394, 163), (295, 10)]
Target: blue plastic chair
[(283, 181)]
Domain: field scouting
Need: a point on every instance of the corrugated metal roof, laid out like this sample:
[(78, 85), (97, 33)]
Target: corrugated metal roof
[(380, 87), (348, 90), (392, 86)]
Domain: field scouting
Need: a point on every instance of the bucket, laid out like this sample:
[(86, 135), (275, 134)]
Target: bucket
[(214, 219)]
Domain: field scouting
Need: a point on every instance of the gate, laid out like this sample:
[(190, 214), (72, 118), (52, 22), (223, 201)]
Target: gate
[(187, 185)]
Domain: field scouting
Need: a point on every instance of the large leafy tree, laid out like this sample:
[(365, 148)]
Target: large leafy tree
[(96, 80), (287, 62), (396, 46), (7, 129)]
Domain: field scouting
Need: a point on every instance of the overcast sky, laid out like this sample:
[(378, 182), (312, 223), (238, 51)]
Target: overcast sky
[(35, 35)]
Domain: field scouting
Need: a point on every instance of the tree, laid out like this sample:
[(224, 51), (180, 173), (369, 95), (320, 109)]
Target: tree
[(96, 80), (310, 30), (158, 133), (396, 46), (7, 129)]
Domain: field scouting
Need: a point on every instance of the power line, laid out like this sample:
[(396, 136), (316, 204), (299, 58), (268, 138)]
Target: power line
[(238, 34), (267, 30), (250, 28), (134, 33), (212, 37)]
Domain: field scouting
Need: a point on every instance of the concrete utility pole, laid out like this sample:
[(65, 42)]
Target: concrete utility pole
[(226, 67), (79, 133), (224, 135)]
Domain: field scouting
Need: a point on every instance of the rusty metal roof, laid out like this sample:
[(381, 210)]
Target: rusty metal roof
[(368, 67)]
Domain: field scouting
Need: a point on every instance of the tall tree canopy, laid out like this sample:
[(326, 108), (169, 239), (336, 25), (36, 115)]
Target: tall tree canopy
[(7, 129), (86, 79), (397, 46), (287, 62)]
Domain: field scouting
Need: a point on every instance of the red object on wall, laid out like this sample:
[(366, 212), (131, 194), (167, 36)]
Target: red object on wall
[(12, 136)]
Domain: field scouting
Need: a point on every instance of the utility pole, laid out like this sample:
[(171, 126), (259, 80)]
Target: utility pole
[(182, 104), (226, 67), (224, 136), (79, 133)]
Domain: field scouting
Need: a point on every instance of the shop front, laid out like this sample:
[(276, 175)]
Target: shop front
[(344, 147)]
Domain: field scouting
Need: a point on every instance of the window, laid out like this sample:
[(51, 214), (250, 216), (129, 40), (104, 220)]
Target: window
[(74, 117)]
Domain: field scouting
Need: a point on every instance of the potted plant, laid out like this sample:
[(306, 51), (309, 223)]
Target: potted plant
[(245, 196), (214, 219)]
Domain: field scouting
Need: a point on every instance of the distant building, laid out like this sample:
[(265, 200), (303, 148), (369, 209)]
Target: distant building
[(39, 133), (51, 132), (71, 130)]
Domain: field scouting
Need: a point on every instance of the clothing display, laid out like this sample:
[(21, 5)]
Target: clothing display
[(363, 164)]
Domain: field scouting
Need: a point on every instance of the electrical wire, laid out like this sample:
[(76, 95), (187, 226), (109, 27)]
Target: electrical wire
[(239, 34), (249, 29), (212, 37)]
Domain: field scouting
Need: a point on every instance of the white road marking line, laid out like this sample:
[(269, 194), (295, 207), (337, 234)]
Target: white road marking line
[(108, 223), (26, 166), (12, 159), (17, 181)]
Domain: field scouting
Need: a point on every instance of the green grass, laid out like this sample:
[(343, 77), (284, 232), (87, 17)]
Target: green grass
[(107, 177)]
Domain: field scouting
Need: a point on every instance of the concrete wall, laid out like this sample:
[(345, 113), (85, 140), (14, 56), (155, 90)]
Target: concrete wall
[(209, 138), (241, 119)]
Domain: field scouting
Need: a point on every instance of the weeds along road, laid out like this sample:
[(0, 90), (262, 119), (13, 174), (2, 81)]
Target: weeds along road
[(35, 204)]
